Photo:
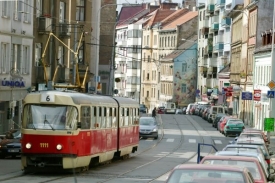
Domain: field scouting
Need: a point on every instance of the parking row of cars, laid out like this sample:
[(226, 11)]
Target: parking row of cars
[(244, 160)]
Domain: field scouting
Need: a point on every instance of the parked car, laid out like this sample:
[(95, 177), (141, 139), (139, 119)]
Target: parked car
[(202, 173), (258, 142), (161, 110), (142, 108), (259, 156), (233, 127), (148, 127), (251, 163), (223, 123), (184, 110), (241, 147), (217, 119), (248, 134), (190, 107), (214, 110), (10, 145)]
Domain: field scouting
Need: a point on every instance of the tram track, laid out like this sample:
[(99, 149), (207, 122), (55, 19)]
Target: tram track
[(109, 177)]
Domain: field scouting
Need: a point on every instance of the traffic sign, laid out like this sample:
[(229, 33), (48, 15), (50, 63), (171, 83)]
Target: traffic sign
[(270, 94), (271, 84), (246, 96), (257, 95), (269, 124)]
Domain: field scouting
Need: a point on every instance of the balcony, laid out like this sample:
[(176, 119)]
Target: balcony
[(64, 30), (215, 26), (219, 46), (220, 3), (226, 22), (44, 25), (210, 8), (205, 30)]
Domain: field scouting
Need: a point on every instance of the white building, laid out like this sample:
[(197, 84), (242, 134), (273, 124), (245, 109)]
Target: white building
[(16, 40)]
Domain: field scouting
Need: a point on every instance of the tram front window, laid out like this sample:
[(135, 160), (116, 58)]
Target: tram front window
[(49, 117)]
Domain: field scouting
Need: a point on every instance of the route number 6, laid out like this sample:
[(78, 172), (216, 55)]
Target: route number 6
[(46, 97)]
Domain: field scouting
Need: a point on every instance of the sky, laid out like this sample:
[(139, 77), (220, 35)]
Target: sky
[(146, 1)]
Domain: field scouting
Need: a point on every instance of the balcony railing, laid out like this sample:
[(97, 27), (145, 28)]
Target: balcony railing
[(215, 26), (219, 46), (226, 22)]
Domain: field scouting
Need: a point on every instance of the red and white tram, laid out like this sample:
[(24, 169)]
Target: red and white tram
[(74, 130)]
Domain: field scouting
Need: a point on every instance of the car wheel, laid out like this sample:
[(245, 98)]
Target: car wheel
[(2, 156), (156, 137), (225, 134)]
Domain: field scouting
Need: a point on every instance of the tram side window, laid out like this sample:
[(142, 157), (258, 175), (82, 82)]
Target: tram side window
[(121, 120), (85, 117), (103, 117), (130, 116), (108, 117), (114, 121), (94, 117), (126, 123)]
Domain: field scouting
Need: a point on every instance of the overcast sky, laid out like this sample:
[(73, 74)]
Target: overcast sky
[(145, 1)]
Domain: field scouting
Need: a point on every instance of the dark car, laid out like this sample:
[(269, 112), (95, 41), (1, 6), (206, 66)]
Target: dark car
[(142, 108), (10, 145), (148, 127), (161, 110)]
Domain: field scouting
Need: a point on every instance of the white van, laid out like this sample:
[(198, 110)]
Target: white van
[(214, 110), (170, 107)]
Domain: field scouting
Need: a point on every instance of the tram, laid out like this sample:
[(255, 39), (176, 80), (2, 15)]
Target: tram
[(69, 130)]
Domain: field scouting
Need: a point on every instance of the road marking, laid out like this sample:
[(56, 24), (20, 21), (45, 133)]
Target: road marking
[(192, 141), (170, 140), (217, 141)]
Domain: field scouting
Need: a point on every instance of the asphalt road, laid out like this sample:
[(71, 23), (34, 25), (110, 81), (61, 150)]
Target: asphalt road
[(152, 162)]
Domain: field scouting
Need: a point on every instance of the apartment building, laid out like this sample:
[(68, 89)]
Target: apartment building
[(16, 39), (128, 49), (262, 62)]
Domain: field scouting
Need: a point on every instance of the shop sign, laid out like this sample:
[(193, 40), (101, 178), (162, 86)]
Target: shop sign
[(257, 95), (11, 83)]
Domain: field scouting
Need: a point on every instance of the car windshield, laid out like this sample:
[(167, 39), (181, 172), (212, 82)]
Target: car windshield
[(147, 122), (234, 122), (252, 166), (202, 176), (49, 117), (240, 149), (248, 135)]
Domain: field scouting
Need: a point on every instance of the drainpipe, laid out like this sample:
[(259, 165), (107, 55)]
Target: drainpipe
[(247, 40)]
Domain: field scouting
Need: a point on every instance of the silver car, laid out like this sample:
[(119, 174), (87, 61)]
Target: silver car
[(148, 127)]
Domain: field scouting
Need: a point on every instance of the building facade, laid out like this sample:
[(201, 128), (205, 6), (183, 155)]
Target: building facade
[(16, 39)]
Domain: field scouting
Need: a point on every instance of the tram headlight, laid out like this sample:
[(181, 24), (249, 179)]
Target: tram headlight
[(59, 147), (28, 145)]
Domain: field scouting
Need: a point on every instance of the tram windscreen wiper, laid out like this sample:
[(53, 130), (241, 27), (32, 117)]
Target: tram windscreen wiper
[(46, 121)]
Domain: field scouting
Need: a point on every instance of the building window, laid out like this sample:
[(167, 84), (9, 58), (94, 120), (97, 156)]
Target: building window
[(61, 12), (26, 11), (37, 55), (184, 67), (38, 8), (60, 55), (5, 9), (81, 53), (17, 8), (4, 58), (148, 40), (26, 60), (80, 10), (16, 55), (155, 40), (183, 88)]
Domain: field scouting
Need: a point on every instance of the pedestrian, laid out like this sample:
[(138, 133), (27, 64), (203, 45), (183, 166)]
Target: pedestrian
[(154, 112)]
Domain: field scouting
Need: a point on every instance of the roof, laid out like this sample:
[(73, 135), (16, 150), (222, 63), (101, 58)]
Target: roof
[(170, 24), (237, 153), (182, 48), (225, 69), (237, 158), (242, 145), (129, 11), (158, 16), (209, 167)]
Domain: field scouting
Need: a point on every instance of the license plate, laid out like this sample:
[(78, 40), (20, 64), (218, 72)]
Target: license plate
[(13, 150), (235, 128)]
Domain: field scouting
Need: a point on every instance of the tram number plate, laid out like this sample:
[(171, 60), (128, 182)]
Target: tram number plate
[(46, 97), (13, 150)]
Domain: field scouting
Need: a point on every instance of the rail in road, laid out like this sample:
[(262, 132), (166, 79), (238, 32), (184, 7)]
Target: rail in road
[(177, 144)]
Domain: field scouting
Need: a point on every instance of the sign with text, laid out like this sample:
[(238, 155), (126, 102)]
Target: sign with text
[(246, 96), (257, 95), (269, 124)]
